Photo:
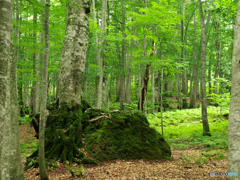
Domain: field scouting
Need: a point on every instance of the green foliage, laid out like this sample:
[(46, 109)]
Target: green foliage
[(183, 128), (28, 147), (25, 120), (76, 171)]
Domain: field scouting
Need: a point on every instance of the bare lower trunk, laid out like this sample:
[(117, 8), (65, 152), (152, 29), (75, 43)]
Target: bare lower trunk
[(44, 93), (178, 87), (72, 64), (218, 56), (27, 102), (34, 91), (206, 130), (122, 79), (153, 88), (10, 155), (144, 89), (234, 110), (105, 92), (171, 87)]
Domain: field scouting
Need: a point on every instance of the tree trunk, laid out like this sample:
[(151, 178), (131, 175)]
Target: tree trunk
[(209, 78), (117, 88), (64, 140), (145, 80), (122, 79), (27, 101), (129, 77), (44, 88), (206, 131), (144, 89), (178, 87), (184, 75), (153, 88), (218, 56), (105, 91), (234, 110), (162, 91), (99, 56), (35, 89), (10, 155), (194, 78), (20, 94), (72, 64), (171, 88), (136, 86)]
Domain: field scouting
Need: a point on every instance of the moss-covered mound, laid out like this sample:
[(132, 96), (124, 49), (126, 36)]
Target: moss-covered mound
[(108, 135), (63, 135), (122, 135)]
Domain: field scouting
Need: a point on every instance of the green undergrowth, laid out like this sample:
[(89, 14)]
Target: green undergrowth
[(184, 129), (28, 147)]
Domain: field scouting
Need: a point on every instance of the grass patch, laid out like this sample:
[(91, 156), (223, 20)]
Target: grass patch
[(183, 128)]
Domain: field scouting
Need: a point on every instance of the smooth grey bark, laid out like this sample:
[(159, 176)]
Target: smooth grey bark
[(44, 88), (99, 56), (34, 91), (53, 86), (72, 63), (105, 91), (184, 75), (122, 78), (26, 99), (105, 65), (10, 156), (153, 89), (178, 87), (140, 84), (16, 169), (206, 130), (218, 57), (86, 80), (129, 77), (171, 87), (209, 78), (194, 78), (136, 86), (234, 110), (162, 89)]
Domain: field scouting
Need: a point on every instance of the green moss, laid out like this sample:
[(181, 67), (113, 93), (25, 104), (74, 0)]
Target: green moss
[(125, 136), (88, 161), (64, 133)]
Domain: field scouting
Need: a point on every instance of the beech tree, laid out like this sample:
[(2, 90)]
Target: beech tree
[(206, 130), (10, 156), (234, 110), (44, 81)]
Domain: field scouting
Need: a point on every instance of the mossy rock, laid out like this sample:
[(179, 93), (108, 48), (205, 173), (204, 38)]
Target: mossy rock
[(124, 135), (108, 135), (63, 134)]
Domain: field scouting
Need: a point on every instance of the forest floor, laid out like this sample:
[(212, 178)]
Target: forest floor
[(182, 166)]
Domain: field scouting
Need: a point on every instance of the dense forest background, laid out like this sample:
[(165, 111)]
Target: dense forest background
[(144, 46)]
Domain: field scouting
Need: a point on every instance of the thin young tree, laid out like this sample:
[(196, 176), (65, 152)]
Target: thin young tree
[(44, 81), (206, 130)]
